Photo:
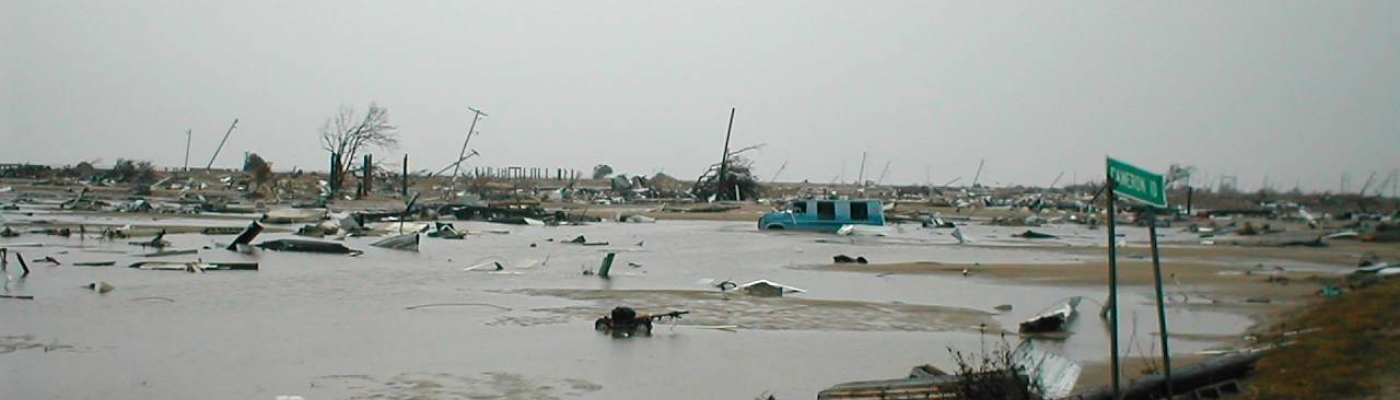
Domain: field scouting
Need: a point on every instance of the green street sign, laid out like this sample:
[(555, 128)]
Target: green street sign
[(1137, 184)]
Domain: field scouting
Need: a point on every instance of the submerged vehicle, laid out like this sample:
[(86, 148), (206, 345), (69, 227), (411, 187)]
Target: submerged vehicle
[(824, 215), (624, 321)]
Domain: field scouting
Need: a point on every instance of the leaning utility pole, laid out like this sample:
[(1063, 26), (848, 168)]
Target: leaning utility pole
[(881, 180), (221, 144), (978, 176), (724, 160), (477, 114), (860, 178), (780, 172), (188, 134)]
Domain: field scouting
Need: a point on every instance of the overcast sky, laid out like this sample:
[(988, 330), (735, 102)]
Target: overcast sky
[(1303, 91)]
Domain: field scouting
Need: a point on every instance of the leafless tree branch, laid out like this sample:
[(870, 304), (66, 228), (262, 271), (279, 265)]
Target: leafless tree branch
[(349, 134)]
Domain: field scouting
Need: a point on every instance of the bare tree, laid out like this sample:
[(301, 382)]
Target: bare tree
[(130, 171), (261, 169), (602, 171), (348, 133), (738, 182), (1180, 175)]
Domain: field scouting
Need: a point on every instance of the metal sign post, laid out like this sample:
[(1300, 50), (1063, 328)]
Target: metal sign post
[(1146, 187), (1161, 306), (1112, 283)]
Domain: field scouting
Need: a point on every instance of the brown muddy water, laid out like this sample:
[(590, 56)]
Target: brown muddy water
[(337, 327)]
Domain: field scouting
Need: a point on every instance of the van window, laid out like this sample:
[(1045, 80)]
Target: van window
[(799, 207), (826, 210), (860, 211)]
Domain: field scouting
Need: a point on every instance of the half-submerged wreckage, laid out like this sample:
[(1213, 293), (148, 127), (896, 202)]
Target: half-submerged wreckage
[(624, 321), (1053, 322), (1032, 371), (307, 246)]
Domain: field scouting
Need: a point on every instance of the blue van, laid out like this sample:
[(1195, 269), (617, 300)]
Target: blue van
[(824, 215)]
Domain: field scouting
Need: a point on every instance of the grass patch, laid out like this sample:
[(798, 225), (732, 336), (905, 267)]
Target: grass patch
[(1354, 351)]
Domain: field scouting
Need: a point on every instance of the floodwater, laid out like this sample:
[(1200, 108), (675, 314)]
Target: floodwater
[(331, 326)]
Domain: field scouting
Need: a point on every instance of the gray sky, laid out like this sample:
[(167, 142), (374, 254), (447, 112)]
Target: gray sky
[(1299, 90)]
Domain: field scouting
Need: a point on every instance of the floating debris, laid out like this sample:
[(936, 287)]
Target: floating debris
[(307, 246)]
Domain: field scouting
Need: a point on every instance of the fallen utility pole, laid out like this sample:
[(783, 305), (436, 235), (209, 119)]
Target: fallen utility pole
[(453, 165), (221, 144)]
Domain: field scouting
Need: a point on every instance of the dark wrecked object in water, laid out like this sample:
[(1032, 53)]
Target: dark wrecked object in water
[(584, 241), (1315, 242), (624, 321), (517, 214), (221, 230), (767, 288), (517, 221), (1384, 233), (293, 216), (313, 231), (7, 232), (100, 287), (407, 242), (167, 253), (606, 265), (1026, 372), (194, 266), (245, 237), (158, 242), (709, 208), (845, 259), (1030, 234), (763, 289), (446, 231), (1054, 321), (306, 246), (919, 385), (1219, 372), (65, 232)]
